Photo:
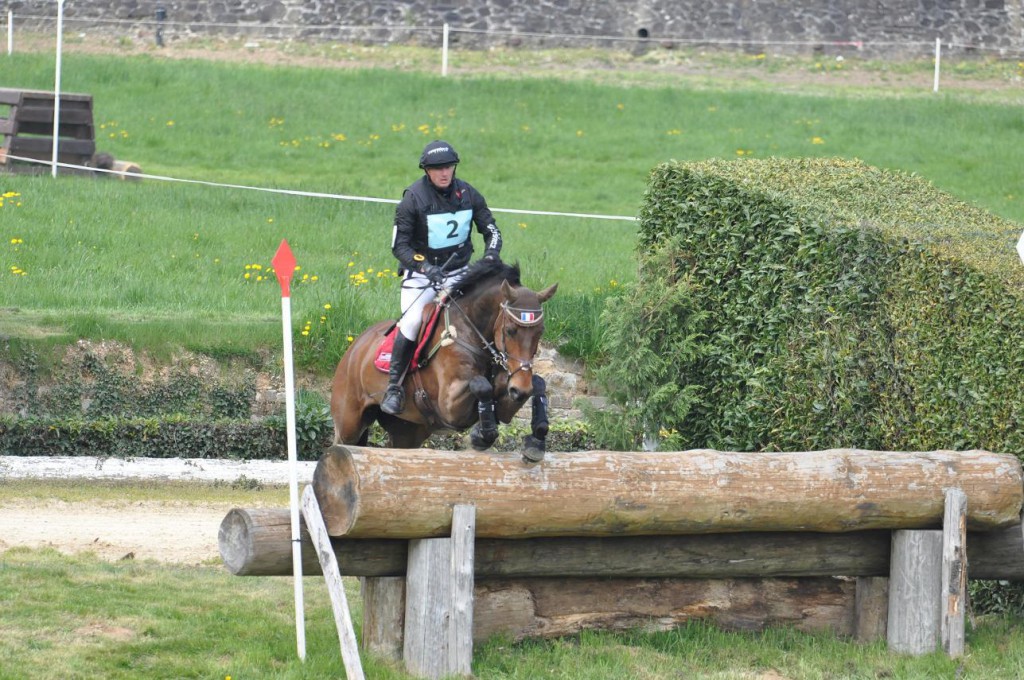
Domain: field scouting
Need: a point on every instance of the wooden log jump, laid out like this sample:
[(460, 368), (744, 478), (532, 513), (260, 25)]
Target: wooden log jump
[(620, 540), (409, 493)]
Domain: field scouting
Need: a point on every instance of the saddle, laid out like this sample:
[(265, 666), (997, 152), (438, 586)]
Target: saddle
[(421, 355)]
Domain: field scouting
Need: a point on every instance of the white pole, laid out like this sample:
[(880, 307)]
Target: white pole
[(10, 32), (284, 269), (293, 476), (444, 51), (56, 84), (938, 58)]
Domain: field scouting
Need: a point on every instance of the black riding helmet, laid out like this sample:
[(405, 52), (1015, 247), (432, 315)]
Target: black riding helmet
[(438, 153)]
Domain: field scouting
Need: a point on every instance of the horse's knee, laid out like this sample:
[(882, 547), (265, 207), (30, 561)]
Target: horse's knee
[(480, 387)]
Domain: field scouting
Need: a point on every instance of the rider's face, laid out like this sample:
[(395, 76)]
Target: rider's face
[(441, 176)]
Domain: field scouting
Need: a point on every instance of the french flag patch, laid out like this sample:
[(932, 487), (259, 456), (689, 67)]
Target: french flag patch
[(527, 317)]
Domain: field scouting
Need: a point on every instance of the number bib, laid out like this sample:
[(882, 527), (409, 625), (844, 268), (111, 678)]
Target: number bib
[(447, 230)]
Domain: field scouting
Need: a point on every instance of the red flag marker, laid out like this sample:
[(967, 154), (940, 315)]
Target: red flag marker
[(284, 267)]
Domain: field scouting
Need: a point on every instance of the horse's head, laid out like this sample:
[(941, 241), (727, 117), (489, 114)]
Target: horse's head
[(517, 332)]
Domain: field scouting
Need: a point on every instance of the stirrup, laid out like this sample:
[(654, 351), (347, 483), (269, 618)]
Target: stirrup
[(393, 401)]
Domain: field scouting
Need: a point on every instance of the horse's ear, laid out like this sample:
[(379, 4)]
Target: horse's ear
[(547, 293), (508, 291)]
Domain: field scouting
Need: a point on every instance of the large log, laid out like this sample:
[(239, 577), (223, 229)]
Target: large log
[(409, 493), (257, 542)]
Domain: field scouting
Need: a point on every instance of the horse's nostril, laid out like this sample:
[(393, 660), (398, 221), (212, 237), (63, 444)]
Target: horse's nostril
[(516, 394)]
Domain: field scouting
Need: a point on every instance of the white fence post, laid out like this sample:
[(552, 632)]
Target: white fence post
[(938, 59), (444, 51), (10, 32), (56, 84)]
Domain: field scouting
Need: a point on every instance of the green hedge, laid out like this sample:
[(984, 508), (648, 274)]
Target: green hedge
[(167, 437), (806, 304)]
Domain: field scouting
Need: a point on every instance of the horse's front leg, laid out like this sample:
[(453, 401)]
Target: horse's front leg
[(485, 432), (533, 443)]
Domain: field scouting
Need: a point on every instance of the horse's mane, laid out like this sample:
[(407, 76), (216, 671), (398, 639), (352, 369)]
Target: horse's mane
[(483, 271)]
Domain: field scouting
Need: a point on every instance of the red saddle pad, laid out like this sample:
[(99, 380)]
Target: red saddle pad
[(383, 359)]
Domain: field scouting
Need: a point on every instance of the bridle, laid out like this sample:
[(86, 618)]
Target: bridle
[(524, 318)]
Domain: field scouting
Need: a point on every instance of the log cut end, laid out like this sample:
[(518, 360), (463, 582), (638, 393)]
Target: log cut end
[(336, 485), (234, 542)]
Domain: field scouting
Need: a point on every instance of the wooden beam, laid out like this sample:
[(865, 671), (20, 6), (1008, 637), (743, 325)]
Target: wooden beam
[(522, 608), (409, 493), (257, 542), (339, 602)]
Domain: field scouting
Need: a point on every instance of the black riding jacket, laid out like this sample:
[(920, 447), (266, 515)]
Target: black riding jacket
[(435, 225)]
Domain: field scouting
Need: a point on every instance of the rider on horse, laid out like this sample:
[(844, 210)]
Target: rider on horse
[(432, 243)]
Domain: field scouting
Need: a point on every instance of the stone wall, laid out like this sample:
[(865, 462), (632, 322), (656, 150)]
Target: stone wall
[(781, 25)]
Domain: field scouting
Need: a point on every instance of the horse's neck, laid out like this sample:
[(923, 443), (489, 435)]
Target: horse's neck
[(481, 310)]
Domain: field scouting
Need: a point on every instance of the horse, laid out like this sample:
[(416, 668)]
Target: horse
[(472, 368)]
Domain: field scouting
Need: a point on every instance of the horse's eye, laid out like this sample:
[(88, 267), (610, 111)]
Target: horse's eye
[(512, 331)]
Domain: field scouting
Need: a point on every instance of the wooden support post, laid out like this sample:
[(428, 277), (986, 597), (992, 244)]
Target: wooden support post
[(329, 564), (460, 634), (870, 608), (915, 583), (954, 573), (384, 615), (433, 586)]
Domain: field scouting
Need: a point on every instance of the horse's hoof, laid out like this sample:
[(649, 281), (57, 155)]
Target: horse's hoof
[(481, 441), (533, 449)]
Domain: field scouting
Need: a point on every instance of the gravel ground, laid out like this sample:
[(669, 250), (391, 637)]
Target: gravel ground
[(182, 533)]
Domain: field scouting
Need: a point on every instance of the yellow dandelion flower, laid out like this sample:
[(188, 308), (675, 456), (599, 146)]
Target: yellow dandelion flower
[(817, 140), (327, 306), (170, 123), (349, 338)]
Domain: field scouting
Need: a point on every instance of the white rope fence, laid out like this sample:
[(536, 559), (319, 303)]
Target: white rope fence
[(294, 192)]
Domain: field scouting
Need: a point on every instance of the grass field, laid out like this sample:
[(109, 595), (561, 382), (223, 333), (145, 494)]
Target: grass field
[(160, 264)]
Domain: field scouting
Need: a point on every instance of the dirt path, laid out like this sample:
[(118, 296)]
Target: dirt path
[(180, 533)]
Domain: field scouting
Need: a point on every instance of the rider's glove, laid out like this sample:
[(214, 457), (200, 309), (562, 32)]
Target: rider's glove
[(434, 274), (492, 255)]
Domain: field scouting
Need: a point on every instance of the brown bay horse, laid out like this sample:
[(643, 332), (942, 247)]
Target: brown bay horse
[(475, 369)]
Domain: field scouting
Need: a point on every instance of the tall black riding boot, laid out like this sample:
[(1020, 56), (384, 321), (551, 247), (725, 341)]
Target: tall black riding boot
[(401, 354)]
